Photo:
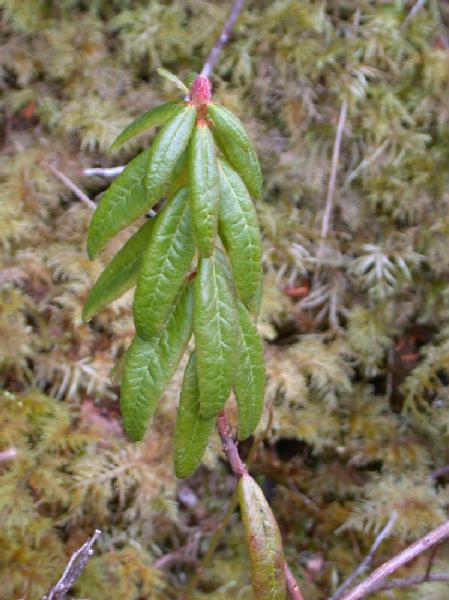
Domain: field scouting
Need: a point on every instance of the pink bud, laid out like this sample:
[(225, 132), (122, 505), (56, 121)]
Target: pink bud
[(201, 91)]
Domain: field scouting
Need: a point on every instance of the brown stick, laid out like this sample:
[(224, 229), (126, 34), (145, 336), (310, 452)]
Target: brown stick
[(73, 569), (239, 469), (370, 584), (72, 187), (222, 39)]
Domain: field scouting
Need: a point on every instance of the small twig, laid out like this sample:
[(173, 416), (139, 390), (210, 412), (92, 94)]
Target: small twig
[(409, 581), (221, 526), (292, 586), (8, 454), (73, 569), (369, 585), (103, 171), (72, 187), (327, 216), (222, 39), (385, 532), (239, 469), (414, 11), (229, 446), (334, 168)]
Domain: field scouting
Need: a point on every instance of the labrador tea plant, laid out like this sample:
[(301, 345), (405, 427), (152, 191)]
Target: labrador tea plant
[(197, 270)]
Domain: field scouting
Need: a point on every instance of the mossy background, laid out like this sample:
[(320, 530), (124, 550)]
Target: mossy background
[(356, 327)]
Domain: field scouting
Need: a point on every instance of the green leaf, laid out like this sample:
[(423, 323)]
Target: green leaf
[(155, 117), (121, 273), (237, 145), (249, 384), (173, 79), (151, 364), (165, 264), (205, 188), (214, 325), (239, 231), (264, 542), (192, 430), (167, 148), (142, 183), (125, 200)]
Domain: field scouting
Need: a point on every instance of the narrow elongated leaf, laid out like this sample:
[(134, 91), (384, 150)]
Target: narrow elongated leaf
[(239, 231), (192, 430), (165, 264), (233, 138), (150, 365), (205, 187), (142, 183), (264, 542), (121, 273), (154, 117), (249, 383), (125, 200), (215, 334), (173, 79), (167, 148)]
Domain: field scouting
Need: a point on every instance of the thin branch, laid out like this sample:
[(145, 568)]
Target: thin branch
[(221, 526), (368, 558), (72, 187), (8, 454), (103, 172), (414, 11), (239, 469), (409, 581), (230, 449), (370, 584), (334, 168), (292, 586), (327, 216), (73, 569), (222, 39)]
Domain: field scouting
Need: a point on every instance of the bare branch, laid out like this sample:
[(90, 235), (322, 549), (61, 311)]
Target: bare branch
[(222, 39), (239, 469), (73, 569), (103, 171), (222, 524), (72, 187), (368, 558), (378, 576)]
